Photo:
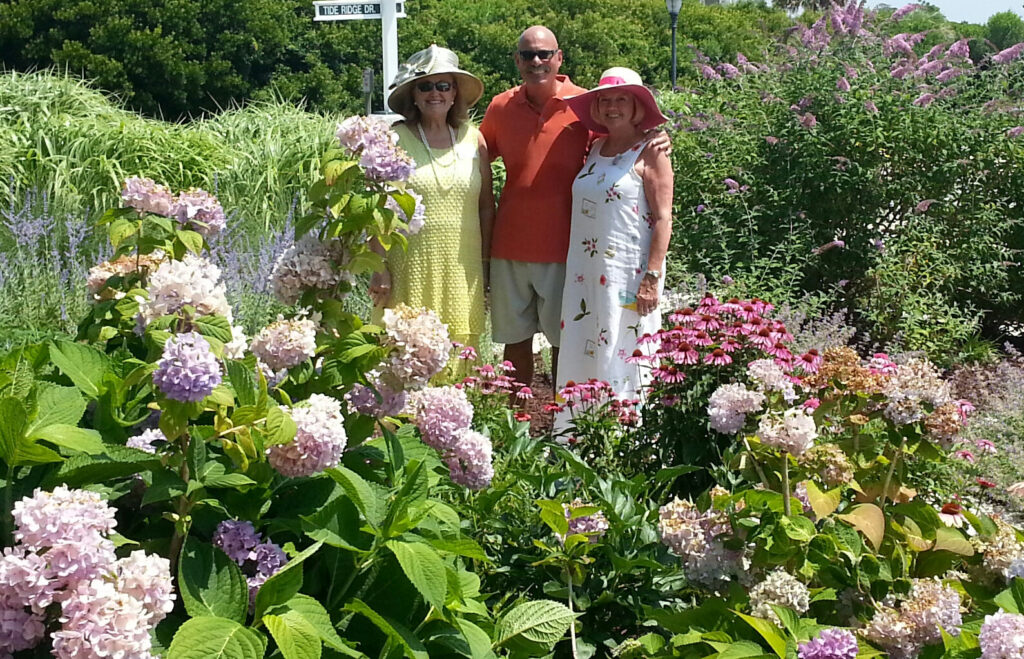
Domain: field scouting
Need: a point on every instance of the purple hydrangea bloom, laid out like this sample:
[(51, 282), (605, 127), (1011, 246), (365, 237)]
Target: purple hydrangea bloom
[(268, 557), (377, 147), (187, 371), (199, 210), (236, 539), (832, 643)]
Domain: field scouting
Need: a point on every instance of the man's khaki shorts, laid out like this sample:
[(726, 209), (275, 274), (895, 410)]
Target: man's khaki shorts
[(526, 298)]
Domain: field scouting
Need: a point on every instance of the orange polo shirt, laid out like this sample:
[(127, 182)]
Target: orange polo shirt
[(543, 152)]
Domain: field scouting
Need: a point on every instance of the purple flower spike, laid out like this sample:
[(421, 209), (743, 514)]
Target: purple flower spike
[(188, 371)]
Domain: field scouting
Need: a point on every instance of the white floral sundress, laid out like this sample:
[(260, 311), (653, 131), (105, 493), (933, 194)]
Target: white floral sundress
[(609, 242)]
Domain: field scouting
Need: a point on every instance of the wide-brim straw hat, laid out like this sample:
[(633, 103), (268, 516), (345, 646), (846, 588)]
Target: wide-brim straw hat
[(430, 61), (618, 77)]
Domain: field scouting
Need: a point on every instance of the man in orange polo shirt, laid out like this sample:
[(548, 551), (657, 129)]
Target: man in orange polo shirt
[(543, 145)]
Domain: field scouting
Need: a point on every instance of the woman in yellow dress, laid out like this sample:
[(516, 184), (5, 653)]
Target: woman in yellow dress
[(445, 266)]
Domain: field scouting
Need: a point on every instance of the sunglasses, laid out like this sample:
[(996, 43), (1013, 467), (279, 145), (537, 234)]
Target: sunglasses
[(543, 55), (429, 85)]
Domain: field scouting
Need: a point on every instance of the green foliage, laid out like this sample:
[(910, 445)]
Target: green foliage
[(922, 197), (205, 56), (1004, 29)]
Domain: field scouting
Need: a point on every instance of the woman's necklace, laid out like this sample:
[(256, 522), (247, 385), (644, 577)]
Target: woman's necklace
[(435, 161)]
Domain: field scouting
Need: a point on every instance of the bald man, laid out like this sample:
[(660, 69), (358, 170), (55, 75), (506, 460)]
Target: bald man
[(543, 145)]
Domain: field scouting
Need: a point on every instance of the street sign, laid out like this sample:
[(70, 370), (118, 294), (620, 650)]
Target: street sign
[(388, 11), (351, 10)]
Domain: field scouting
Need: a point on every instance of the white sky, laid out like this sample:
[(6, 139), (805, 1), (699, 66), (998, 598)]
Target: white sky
[(973, 11)]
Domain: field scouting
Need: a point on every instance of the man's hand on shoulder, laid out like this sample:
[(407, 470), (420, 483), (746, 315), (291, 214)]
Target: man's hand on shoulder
[(660, 141)]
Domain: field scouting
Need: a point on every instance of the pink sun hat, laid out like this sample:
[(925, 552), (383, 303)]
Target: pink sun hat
[(613, 78)]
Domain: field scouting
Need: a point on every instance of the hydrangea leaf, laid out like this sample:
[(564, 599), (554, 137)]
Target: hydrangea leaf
[(285, 583), (768, 631), (295, 636), (212, 637), (869, 520), (211, 583), (55, 404), (424, 568), (411, 646), (536, 624), (84, 365)]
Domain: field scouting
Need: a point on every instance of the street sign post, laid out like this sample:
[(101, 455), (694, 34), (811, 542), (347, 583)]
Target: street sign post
[(388, 11)]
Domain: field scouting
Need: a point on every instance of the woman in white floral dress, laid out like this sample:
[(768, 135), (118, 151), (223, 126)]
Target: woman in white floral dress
[(621, 225)]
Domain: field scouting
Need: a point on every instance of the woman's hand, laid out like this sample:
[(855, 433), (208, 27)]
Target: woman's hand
[(647, 295), (380, 288)]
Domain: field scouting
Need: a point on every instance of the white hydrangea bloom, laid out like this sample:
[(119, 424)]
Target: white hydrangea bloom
[(285, 343), (781, 589), (192, 281), (769, 376), (795, 432), (729, 405)]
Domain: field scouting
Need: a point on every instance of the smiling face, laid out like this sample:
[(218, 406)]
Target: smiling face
[(434, 103), (535, 42), (615, 109)]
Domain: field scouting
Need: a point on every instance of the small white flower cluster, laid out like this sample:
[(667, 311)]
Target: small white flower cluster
[(781, 589), (420, 343), (914, 383), (1001, 552), (193, 281), (108, 606), (729, 405), (694, 537), (319, 441), (769, 376), (309, 264), (794, 432), (284, 344), (929, 609), (144, 441)]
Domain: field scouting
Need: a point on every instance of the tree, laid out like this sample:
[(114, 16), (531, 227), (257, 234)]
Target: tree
[(1004, 29)]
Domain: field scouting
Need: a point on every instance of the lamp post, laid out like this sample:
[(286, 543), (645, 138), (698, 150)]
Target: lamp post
[(673, 13)]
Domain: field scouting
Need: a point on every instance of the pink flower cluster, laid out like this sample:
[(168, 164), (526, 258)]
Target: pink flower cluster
[(929, 609), (444, 415), (593, 526), (591, 397), (319, 441), (491, 378), (717, 334), (195, 209), (694, 536), (108, 606)]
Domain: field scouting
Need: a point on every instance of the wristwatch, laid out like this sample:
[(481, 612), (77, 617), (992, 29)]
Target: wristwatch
[(653, 273)]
